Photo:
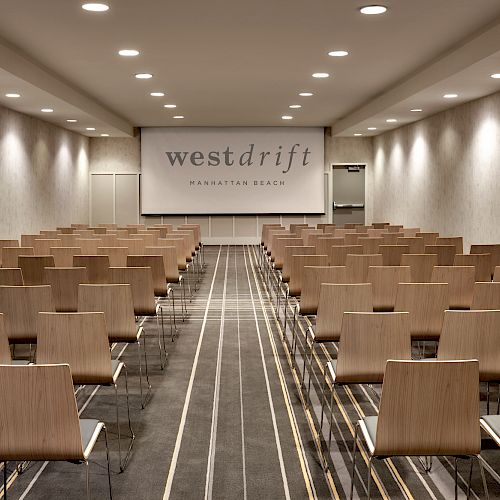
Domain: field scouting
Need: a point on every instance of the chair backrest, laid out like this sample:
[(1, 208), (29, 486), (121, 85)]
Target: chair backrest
[(460, 281), (334, 301), (390, 238), (279, 248), (324, 243), (190, 242), (78, 339), (117, 255), (97, 267), (367, 342), (20, 306), (411, 231), (135, 245), (370, 244), (429, 408), (394, 228), (38, 414), (357, 266), (457, 241), (164, 229), (426, 303), (496, 274), (380, 225), (486, 295), (313, 277), (271, 233), (108, 240), (5, 358), (28, 239), (7, 244), (391, 254), (473, 335), (445, 253), (480, 261), (149, 239), (63, 256), (273, 240), (88, 246), (337, 255), (33, 267), (10, 255), (68, 240), (265, 231), (11, 276), (297, 270), (307, 233), (64, 282), (421, 266), (155, 262), (141, 281), (494, 250), (428, 237), (290, 251), (155, 233), (43, 246), (353, 238), (385, 280), (169, 255), (415, 244), (297, 228), (116, 302), (197, 231), (340, 232)]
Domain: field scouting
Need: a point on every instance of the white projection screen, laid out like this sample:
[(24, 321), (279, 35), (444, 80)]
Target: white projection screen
[(250, 170)]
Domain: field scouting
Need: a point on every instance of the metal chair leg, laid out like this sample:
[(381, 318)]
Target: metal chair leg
[(144, 400), (87, 479), (5, 480), (353, 470), (108, 462), (456, 478), (369, 478), (160, 347), (323, 400), (483, 477), (487, 398), (331, 418), (470, 478)]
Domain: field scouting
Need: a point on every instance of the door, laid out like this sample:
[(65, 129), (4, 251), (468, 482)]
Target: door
[(348, 194)]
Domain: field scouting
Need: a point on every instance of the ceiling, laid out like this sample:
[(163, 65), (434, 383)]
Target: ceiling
[(227, 63)]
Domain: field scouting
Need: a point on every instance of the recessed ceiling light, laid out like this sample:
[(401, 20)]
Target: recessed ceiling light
[(372, 128), (178, 117), (90, 129), (128, 52), (450, 96), (338, 53), (306, 94), (71, 120), (157, 94), (47, 110), (357, 135), (391, 120), (416, 110), (320, 75), (495, 75), (104, 135), (95, 7), (372, 10), (287, 117), (143, 76), (13, 95), (170, 105), (295, 106)]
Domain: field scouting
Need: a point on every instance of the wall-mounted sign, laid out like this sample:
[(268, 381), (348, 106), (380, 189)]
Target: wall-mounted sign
[(198, 170)]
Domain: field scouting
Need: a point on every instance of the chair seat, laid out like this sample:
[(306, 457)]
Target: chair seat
[(491, 424), (89, 430), (116, 368), (368, 427), (126, 337)]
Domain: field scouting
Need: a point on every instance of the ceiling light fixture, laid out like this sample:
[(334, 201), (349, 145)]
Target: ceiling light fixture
[(306, 94), (47, 110), (416, 110), (391, 120), (450, 96), (144, 76), (95, 7), (128, 52), (170, 106), (358, 135), (495, 75), (157, 94), (13, 95), (372, 10), (90, 129), (178, 117), (287, 117), (295, 106), (372, 128), (104, 135), (338, 53), (71, 120), (320, 75)]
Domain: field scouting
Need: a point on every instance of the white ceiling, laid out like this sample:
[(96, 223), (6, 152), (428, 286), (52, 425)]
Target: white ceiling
[(227, 63)]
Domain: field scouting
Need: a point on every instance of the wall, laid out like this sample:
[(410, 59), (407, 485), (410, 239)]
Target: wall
[(443, 173), (43, 175)]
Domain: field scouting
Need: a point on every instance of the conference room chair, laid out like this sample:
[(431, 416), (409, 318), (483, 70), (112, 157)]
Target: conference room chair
[(182, 265), (457, 241), (27, 240), (33, 268), (375, 233), (78, 225), (493, 250), (86, 234), (334, 301), (421, 418), (65, 230), (414, 244), (98, 230), (80, 340), (410, 232), (385, 281), (163, 228), (197, 233), (342, 232), (496, 274), (89, 246), (481, 263), (68, 240), (116, 302), (380, 225), (279, 253), (426, 303), (7, 244), (108, 240), (11, 276), (428, 237), (185, 257), (473, 335), (367, 341), (460, 281), (445, 253), (64, 282), (42, 247), (353, 238), (391, 254), (337, 255), (45, 427), (486, 295), (307, 235), (5, 354), (357, 266), (362, 228), (10, 255), (370, 245), (119, 233), (421, 266), (297, 271), (49, 233), (272, 241), (117, 255), (97, 267), (390, 238), (136, 226), (287, 259), (148, 239), (156, 233), (394, 228), (63, 256), (108, 226), (324, 243)]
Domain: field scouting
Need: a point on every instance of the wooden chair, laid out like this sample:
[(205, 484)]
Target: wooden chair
[(297, 271), (337, 255), (279, 249), (428, 237), (353, 238), (290, 251), (426, 303), (27, 240), (415, 244), (5, 356), (272, 240), (10, 255), (33, 268), (81, 341), (7, 244), (396, 228), (68, 240), (385, 280), (496, 274), (20, 306), (420, 417), (148, 239), (89, 246), (457, 241), (116, 302), (155, 262), (163, 228), (64, 282), (63, 256), (42, 247), (370, 245), (421, 266), (380, 225), (97, 267), (108, 240), (493, 250), (460, 281), (391, 254), (307, 233), (481, 263), (39, 419), (375, 232), (486, 296), (11, 276), (117, 255), (390, 238), (357, 266), (445, 253), (411, 232), (324, 243)]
